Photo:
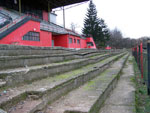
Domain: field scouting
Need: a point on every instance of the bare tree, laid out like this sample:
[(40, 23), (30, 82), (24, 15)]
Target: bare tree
[(118, 41), (73, 26)]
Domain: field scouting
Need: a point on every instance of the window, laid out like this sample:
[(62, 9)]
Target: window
[(74, 40), (78, 41), (70, 40), (32, 36), (90, 44)]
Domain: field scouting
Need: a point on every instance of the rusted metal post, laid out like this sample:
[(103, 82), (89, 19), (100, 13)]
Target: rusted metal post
[(139, 59), (137, 54), (148, 57), (141, 48)]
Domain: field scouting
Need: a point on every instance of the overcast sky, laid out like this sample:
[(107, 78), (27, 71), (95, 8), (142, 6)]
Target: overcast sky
[(132, 17)]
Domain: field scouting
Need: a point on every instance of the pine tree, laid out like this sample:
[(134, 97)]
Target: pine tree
[(95, 27)]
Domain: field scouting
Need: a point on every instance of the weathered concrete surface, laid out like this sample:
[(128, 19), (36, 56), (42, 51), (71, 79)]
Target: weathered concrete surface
[(89, 97), (2, 111), (32, 50), (11, 62), (15, 50), (28, 105), (50, 83), (20, 75), (122, 98)]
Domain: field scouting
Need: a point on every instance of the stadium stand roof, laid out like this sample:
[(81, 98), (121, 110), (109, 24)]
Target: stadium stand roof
[(59, 3), (55, 3)]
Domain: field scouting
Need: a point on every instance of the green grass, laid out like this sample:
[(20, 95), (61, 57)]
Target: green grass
[(94, 56), (141, 97)]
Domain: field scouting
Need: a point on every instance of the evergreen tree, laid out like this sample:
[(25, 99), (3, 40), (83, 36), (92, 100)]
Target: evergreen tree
[(95, 27)]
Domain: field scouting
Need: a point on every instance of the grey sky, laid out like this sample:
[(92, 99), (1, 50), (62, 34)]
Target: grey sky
[(130, 16)]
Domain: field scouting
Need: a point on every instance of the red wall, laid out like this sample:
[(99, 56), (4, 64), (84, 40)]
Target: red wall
[(74, 44), (60, 40), (45, 15), (46, 38), (83, 43), (63, 41), (15, 37), (90, 39)]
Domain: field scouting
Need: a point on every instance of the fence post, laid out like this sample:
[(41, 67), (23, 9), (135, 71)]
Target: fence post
[(139, 58), (148, 55), (137, 55), (141, 48)]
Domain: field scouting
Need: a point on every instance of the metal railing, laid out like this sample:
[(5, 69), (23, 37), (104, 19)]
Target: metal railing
[(11, 24)]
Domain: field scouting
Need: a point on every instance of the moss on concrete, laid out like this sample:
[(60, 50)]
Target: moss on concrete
[(92, 84), (13, 101), (63, 76), (95, 56)]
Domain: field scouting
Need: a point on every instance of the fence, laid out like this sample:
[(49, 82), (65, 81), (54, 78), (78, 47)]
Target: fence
[(142, 57)]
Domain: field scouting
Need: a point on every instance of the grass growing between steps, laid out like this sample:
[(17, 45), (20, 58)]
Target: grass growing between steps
[(141, 97), (60, 76)]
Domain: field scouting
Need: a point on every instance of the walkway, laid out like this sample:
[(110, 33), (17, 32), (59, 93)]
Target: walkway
[(122, 98)]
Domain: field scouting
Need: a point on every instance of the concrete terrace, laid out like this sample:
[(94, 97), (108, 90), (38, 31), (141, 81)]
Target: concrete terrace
[(59, 80)]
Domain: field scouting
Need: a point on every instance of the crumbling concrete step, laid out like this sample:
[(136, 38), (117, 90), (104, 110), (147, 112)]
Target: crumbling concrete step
[(2, 111), (25, 106), (20, 75), (8, 62), (14, 50), (90, 54), (53, 87), (89, 97), (122, 98), (2, 84)]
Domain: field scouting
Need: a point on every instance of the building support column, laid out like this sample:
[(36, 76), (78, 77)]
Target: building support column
[(49, 12), (64, 16), (20, 7)]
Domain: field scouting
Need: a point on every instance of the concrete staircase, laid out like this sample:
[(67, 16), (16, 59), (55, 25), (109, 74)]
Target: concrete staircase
[(34, 80)]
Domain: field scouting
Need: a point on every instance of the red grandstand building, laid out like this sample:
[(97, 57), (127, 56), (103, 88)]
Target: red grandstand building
[(24, 22)]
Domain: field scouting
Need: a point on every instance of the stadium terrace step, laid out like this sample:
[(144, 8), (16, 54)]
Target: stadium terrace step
[(15, 50), (122, 98), (36, 95), (9, 62), (2, 111), (26, 74), (2, 83), (13, 15), (89, 97), (18, 50)]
